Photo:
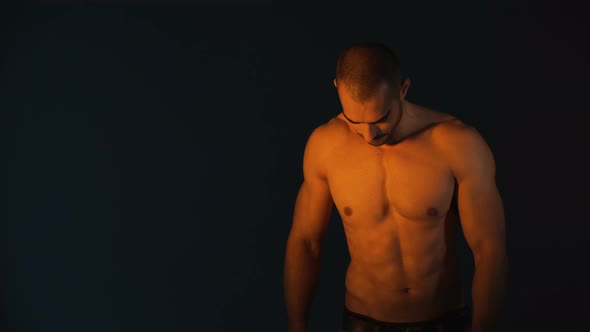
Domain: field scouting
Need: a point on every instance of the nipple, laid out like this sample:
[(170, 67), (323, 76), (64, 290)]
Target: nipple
[(347, 211)]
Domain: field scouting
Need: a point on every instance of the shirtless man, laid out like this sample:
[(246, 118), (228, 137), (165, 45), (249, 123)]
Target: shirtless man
[(402, 178)]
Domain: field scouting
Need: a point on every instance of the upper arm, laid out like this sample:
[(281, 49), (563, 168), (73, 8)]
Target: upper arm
[(479, 203), (313, 206)]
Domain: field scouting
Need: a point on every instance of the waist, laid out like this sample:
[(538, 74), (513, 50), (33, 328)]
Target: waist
[(452, 320), (394, 278), (402, 296)]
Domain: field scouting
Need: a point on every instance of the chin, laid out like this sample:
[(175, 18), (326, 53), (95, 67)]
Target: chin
[(380, 142)]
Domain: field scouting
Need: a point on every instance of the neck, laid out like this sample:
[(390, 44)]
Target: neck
[(404, 120)]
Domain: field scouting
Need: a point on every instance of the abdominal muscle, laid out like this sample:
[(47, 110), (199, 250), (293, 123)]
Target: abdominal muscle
[(396, 281)]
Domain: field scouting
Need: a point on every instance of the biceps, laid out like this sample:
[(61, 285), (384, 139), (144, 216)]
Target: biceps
[(482, 218), (313, 209)]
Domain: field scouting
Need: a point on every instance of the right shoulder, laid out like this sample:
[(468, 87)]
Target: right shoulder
[(327, 135), (322, 140)]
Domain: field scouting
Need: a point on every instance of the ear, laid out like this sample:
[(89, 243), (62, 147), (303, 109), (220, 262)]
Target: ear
[(404, 88), (335, 84)]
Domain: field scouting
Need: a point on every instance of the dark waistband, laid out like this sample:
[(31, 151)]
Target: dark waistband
[(454, 315)]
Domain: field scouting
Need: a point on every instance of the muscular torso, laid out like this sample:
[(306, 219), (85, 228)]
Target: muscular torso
[(395, 205)]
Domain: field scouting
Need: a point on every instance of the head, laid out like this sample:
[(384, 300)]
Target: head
[(369, 85)]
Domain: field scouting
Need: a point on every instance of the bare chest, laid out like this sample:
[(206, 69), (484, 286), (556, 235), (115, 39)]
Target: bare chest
[(371, 185)]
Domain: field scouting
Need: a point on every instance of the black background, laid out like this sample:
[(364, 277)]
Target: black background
[(153, 154)]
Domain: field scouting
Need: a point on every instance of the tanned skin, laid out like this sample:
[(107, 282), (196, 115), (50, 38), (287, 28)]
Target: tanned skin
[(391, 168)]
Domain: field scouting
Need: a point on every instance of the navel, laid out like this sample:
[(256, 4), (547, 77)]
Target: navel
[(347, 211), (385, 209), (433, 212)]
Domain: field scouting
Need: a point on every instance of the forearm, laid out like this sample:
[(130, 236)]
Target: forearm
[(301, 278), (488, 292)]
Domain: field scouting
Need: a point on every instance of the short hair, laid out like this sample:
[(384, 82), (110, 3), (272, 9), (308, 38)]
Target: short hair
[(363, 67)]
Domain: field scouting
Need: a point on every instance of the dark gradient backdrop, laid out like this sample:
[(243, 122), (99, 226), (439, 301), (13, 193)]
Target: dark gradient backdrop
[(153, 155)]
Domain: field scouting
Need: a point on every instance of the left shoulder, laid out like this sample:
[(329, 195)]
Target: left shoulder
[(451, 128), (463, 147), (454, 132)]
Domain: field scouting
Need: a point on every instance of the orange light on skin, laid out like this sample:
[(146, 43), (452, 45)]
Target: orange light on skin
[(375, 119)]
